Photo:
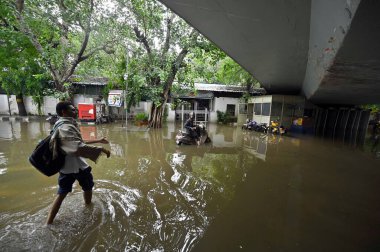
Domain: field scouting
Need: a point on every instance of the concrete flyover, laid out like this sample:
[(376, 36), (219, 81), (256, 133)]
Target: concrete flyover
[(325, 50)]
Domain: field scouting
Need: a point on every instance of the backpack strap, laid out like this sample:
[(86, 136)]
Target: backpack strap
[(57, 126)]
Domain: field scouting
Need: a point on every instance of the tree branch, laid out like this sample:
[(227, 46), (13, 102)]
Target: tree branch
[(175, 67), (178, 61), (93, 51), (20, 5), (7, 24), (142, 39), (79, 57), (168, 33)]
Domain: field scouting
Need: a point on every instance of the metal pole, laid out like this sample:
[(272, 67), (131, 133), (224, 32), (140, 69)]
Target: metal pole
[(205, 115), (182, 112), (126, 87)]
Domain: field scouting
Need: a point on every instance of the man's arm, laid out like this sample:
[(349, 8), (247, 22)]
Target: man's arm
[(102, 140), (107, 152)]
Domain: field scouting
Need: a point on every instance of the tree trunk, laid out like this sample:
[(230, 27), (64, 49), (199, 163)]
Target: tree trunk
[(20, 105), (156, 116)]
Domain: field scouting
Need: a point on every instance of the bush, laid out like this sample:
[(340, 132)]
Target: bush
[(225, 118), (222, 117), (141, 117)]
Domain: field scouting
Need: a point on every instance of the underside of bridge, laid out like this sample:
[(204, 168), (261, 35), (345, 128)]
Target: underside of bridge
[(326, 50)]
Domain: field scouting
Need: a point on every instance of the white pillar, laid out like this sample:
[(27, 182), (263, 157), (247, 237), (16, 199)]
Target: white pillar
[(182, 113)]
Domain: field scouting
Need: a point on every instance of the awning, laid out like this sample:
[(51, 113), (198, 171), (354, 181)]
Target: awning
[(191, 95)]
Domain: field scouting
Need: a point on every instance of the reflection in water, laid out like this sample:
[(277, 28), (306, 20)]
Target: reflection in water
[(3, 164), (244, 191), (152, 195), (256, 144)]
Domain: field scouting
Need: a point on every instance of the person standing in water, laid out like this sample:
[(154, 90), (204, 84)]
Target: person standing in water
[(68, 139)]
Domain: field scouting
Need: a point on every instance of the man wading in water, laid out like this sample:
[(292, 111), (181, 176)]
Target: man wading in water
[(67, 138)]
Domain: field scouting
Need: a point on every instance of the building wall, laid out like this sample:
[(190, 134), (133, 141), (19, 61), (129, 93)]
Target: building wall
[(51, 102), (141, 107), (4, 109), (79, 98), (291, 107), (49, 105), (261, 99), (171, 113), (220, 104), (13, 104)]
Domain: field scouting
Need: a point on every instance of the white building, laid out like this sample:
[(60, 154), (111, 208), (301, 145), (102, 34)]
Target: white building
[(207, 99)]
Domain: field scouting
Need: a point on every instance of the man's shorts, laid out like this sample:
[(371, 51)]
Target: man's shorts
[(66, 181)]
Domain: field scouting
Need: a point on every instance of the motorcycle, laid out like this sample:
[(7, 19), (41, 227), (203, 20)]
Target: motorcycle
[(184, 136), (52, 119), (262, 127), (249, 125), (276, 129)]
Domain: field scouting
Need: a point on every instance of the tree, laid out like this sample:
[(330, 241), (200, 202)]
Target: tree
[(161, 41), (64, 32), (208, 64), (21, 71), (213, 66)]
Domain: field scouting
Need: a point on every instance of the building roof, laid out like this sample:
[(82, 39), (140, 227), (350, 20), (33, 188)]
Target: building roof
[(192, 95), (218, 87), (226, 88), (92, 81), (207, 91)]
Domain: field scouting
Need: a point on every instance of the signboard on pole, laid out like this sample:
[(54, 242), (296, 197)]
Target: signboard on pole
[(115, 98)]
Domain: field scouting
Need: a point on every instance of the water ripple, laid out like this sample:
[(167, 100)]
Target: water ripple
[(120, 219)]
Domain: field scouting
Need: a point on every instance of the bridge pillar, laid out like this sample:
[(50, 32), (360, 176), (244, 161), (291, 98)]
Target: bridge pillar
[(346, 125)]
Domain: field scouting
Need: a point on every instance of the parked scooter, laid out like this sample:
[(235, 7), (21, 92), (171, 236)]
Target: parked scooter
[(276, 129), (249, 125), (184, 136), (52, 119), (262, 127), (253, 125)]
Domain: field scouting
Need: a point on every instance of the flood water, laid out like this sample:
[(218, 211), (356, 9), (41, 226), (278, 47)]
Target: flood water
[(242, 192)]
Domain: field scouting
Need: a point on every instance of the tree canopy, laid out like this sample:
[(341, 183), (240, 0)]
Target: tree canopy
[(139, 43), (64, 32)]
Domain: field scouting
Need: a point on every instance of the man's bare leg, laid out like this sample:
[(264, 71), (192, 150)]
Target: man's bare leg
[(87, 195), (55, 208)]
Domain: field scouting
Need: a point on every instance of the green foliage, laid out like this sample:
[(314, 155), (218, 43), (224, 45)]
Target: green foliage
[(209, 64), (222, 117), (62, 35), (375, 108), (21, 68), (141, 117), (61, 95), (225, 118), (246, 95), (125, 38)]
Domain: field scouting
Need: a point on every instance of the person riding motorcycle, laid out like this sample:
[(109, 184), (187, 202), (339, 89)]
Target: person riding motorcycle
[(193, 130)]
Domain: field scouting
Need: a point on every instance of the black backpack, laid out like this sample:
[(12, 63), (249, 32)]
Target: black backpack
[(42, 158)]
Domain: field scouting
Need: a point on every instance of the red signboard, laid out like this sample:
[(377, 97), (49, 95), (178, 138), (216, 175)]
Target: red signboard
[(86, 112)]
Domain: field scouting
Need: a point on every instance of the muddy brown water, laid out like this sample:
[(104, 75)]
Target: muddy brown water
[(243, 192)]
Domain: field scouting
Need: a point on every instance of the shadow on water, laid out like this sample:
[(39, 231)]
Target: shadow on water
[(244, 191)]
